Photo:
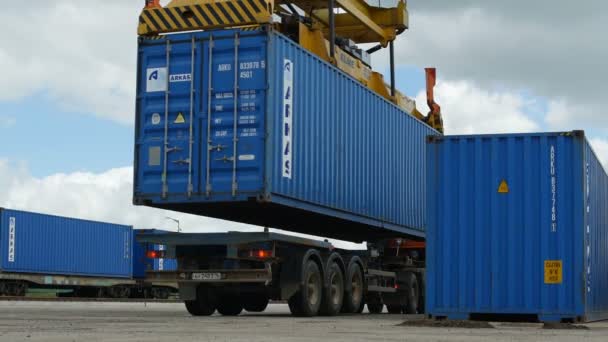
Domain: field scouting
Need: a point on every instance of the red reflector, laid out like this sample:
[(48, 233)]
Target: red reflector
[(153, 254)]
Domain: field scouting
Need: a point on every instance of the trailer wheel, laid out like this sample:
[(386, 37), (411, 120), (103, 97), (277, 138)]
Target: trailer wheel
[(413, 293), (202, 305), (353, 297), (2, 288), (374, 304), (230, 305), (255, 303), (333, 297), (308, 300)]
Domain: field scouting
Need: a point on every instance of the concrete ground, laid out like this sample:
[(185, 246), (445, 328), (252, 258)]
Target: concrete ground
[(72, 321)]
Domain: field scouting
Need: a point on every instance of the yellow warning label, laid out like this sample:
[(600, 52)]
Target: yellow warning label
[(503, 188), (553, 271), (180, 119)]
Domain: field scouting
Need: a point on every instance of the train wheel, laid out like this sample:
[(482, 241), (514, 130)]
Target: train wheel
[(202, 305), (353, 298), (230, 306), (119, 292), (308, 300), (334, 294), (160, 293), (255, 303)]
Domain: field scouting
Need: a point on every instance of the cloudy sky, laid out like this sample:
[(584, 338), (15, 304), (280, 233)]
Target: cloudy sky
[(68, 84)]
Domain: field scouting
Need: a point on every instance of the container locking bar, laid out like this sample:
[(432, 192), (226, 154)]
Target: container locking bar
[(209, 97), (235, 132), (167, 148), (191, 137)]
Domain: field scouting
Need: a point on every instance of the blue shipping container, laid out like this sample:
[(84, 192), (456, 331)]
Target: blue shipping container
[(315, 151), (518, 225), (141, 263), (45, 244)]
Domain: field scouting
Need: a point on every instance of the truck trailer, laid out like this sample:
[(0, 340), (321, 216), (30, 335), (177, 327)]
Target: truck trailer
[(282, 125)]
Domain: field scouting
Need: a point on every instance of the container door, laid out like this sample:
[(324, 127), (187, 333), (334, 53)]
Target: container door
[(233, 107), (168, 124)]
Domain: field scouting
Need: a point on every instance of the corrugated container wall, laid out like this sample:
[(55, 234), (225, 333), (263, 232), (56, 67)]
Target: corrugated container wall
[(314, 150), (45, 244), (518, 225)]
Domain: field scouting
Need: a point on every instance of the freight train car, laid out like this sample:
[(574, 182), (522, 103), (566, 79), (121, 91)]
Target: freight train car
[(94, 259)]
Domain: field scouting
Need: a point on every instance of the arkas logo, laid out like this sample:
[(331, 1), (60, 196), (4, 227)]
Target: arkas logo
[(153, 75), (156, 79), (287, 150)]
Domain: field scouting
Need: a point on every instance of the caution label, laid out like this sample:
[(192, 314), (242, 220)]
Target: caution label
[(180, 119), (553, 271), (503, 188)]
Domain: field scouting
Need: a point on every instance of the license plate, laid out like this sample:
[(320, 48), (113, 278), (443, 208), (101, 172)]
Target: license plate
[(206, 276)]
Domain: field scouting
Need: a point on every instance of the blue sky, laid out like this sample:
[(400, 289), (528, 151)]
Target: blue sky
[(51, 140)]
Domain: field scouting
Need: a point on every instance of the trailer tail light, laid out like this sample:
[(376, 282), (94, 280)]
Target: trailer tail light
[(155, 254), (256, 253)]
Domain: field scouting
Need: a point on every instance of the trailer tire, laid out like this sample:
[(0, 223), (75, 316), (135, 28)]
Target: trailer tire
[(307, 301), (230, 306), (255, 303), (412, 294), (2, 288), (333, 296), (353, 297), (202, 305)]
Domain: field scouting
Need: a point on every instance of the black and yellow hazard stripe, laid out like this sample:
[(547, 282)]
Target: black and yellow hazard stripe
[(206, 15)]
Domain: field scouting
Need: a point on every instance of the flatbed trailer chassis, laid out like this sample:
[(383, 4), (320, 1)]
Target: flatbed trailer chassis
[(232, 272)]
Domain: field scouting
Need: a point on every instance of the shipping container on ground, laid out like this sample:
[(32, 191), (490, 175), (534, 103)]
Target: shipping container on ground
[(517, 228), (314, 151)]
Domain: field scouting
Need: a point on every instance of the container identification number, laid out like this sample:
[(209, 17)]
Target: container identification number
[(553, 192)]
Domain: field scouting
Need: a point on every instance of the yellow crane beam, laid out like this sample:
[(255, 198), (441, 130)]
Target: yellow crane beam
[(361, 22)]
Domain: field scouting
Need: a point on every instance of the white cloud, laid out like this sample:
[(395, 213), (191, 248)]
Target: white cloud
[(102, 196), (547, 48), (468, 109), (82, 54), (600, 146)]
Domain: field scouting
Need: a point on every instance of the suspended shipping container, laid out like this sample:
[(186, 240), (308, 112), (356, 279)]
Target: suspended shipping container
[(246, 125), (517, 226)]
